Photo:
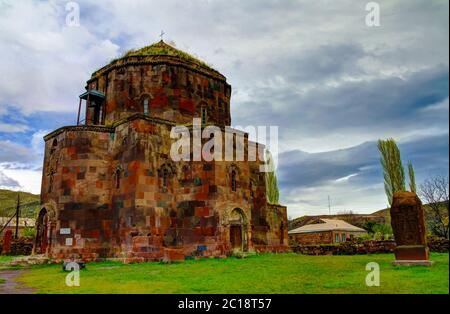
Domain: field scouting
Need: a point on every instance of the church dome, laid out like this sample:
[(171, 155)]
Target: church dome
[(160, 52), (158, 81)]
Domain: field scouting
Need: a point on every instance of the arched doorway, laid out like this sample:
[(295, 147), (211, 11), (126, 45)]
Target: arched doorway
[(238, 230), (41, 241)]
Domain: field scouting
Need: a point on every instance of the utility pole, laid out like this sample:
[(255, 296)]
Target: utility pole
[(17, 216), (329, 205)]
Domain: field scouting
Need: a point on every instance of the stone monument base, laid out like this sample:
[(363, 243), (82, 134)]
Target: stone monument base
[(411, 252), (411, 255), (412, 263)]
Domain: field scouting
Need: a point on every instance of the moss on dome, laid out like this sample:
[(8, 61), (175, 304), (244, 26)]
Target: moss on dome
[(162, 49), (152, 52)]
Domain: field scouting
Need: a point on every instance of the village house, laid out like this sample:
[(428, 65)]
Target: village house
[(110, 188), (325, 231)]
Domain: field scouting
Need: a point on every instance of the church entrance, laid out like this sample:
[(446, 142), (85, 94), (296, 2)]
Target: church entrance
[(238, 227), (236, 237), (41, 242)]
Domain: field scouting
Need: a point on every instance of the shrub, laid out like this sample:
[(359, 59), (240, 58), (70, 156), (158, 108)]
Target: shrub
[(28, 232)]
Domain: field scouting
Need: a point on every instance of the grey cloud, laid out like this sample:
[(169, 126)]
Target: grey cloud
[(301, 169), (327, 61), (377, 108), (307, 178), (7, 182), (11, 153), (313, 68)]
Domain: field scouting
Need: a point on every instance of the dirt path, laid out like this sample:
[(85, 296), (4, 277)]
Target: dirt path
[(11, 285)]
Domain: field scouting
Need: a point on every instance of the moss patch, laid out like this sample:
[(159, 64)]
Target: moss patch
[(162, 49)]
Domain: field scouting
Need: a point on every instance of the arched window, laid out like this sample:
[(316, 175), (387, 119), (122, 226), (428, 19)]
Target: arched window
[(50, 181), (204, 115), (100, 115), (117, 179), (186, 172), (145, 104), (233, 180), (54, 145), (165, 174), (165, 177)]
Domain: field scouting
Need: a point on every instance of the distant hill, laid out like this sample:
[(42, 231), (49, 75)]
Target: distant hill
[(380, 217), (8, 200), (357, 220)]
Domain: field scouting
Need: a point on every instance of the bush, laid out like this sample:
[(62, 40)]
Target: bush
[(367, 237), (382, 229), (378, 231), (368, 226), (28, 232)]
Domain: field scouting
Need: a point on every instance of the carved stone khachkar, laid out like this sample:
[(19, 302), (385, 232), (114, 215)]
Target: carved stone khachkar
[(408, 224)]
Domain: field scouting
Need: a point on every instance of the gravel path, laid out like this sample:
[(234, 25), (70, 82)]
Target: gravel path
[(12, 286)]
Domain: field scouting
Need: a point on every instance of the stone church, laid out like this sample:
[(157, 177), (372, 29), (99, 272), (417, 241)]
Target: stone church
[(111, 190)]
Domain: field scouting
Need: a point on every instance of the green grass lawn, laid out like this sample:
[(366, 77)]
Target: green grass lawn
[(267, 273), (4, 260), (7, 258)]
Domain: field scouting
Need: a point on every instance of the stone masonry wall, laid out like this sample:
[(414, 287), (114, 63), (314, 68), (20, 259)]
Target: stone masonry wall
[(363, 247), (112, 190), (325, 237), (21, 246), (175, 93), (76, 186), (312, 238), (109, 192)]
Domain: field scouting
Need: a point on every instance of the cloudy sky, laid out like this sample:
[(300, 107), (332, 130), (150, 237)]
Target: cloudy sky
[(332, 84)]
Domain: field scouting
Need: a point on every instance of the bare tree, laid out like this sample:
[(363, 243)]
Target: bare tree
[(435, 192)]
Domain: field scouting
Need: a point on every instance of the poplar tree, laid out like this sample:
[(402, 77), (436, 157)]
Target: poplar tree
[(393, 172), (412, 178), (272, 191)]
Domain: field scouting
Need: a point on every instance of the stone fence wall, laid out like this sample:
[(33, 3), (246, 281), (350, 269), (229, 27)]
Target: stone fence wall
[(22, 246), (364, 247), (439, 245)]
